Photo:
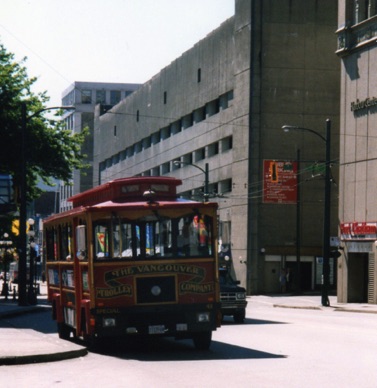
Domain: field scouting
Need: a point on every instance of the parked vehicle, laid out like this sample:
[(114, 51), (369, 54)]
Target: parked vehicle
[(232, 296)]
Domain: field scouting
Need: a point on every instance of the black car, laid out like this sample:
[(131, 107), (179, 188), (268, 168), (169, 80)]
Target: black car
[(232, 296)]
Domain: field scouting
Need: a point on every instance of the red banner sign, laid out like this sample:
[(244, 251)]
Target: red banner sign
[(279, 182)]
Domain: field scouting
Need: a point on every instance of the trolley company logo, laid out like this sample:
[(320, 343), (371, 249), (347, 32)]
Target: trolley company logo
[(116, 287)]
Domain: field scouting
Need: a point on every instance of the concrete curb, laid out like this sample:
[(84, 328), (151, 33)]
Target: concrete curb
[(297, 307), (39, 358), (333, 308)]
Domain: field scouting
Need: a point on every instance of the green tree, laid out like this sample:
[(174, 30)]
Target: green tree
[(51, 150)]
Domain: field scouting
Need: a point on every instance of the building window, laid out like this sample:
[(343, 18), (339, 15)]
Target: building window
[(227, 144), (138, 147), (114, 97), (155, 137), (86, 96), (115, 130), (100, 97), (165, 133), (199, 115), (213, 149), (130, 151), (187, 121), (226, 186), (165, 97), (176, 127), (363, 10), (213, 107), (199, 75), (187, 159), (147, 141), (123, 155), (116, 159), (137, 115), (165, 168), (200, 154), (213, 188)]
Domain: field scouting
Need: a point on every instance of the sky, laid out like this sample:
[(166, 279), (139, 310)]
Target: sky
[(125, 41)]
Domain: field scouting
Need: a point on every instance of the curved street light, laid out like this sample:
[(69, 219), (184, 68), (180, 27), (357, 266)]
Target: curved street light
[(206, 175), (327, 208), (22, 267)]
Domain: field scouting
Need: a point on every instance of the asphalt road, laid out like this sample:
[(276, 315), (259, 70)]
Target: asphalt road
[(275, 347)]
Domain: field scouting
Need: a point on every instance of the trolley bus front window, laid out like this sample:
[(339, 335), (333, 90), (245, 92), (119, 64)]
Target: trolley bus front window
[(152, 237)]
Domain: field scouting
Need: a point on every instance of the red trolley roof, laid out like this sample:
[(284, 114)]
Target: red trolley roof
[(129, 189)]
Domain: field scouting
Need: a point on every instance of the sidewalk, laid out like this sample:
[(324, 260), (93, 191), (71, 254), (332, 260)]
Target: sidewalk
[(312, 302), (25, 346)]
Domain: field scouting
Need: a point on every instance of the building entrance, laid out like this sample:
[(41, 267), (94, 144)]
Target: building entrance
[(300, 281), (358, 279)]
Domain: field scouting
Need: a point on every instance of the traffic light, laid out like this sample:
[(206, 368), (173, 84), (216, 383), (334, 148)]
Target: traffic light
[(274, 171), (16, 227)]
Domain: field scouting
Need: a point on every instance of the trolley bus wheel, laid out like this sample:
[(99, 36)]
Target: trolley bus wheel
[(64, 331), (202, 341)]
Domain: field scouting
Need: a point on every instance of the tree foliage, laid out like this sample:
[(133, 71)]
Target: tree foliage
[(51, 150)]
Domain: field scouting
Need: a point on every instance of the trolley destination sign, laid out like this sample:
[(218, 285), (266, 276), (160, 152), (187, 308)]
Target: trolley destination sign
[(279, 182)]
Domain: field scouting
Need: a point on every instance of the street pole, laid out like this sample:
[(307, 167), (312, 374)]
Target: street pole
[(298, 225), (326, 221), (327, 208), (22, 297), (206, 183)]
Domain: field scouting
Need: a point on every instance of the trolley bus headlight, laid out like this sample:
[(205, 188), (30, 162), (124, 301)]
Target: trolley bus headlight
[(203, 317), (109, 322)]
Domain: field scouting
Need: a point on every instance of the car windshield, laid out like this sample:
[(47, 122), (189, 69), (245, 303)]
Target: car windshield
[(226, 279)]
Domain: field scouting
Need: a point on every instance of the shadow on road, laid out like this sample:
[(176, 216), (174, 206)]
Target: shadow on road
[(249, 321), (39, 321), (166, 349)]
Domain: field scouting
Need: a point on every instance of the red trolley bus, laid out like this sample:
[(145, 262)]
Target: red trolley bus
[(131, 258)]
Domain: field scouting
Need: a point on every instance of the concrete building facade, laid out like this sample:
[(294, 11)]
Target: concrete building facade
[(222, 104), (84, 96), (357, 49)]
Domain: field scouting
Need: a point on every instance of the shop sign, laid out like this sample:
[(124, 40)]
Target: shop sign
[(358, 231), (363, 104)]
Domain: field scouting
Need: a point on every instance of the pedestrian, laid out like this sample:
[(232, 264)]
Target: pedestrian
[(283, 281), (289, 279)]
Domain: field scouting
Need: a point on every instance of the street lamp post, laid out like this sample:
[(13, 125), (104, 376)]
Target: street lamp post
[(22, 267), (206, 175), (327, 209)]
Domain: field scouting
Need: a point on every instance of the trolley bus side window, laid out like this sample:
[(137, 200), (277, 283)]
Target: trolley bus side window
[(51, 244), (65, 242), (102, 240)]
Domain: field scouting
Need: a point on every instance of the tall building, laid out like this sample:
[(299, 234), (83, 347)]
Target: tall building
[(357, 50), (221, 106), (84, 96)]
